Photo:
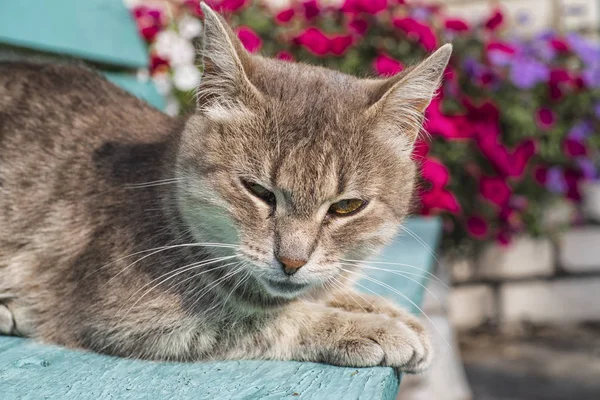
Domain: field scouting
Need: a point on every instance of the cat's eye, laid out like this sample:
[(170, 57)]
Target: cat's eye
[(344, 208), (259, 191)]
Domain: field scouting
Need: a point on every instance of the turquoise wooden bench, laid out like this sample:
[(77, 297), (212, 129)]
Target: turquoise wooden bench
[(30, 370), (102, 33)]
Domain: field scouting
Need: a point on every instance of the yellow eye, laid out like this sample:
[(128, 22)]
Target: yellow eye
[(259, 191), (346, 207)]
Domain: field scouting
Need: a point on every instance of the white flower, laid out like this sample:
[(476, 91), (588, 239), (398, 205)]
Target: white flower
[(172, 106), (142, 75), (186, 77), (190, 27), (132, 3), (165, 40), (278, 4), (175, 49), (163, 83)]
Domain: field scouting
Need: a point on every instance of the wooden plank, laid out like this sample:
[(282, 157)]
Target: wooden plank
[(30, 370), (97, 30)]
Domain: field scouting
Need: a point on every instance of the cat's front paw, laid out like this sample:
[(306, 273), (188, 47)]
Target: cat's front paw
[(367, 340)]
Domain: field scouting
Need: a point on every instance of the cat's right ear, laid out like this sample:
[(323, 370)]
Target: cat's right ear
[(226, 63)]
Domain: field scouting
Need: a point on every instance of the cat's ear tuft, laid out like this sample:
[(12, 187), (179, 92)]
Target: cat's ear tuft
[(400, 101), (225, 62)]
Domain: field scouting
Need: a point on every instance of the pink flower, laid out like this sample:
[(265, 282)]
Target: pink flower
[(495, 189), (385, 65), (230, 5), (420, 150), (313, 40), (456, 25), (157, 63), (573, 178), (359, 26), (540, 174), (285, 55), (339, 44), (477, 227), (574, 148), (495, 20), (545, 118), (504, 237), (560, 79), (251, 41), (149, 21), (194, 7), (559, 45), (440, 199), (311, 9), (449, 127), (285, 15), (435, 172), (364, 6), (417, 31)]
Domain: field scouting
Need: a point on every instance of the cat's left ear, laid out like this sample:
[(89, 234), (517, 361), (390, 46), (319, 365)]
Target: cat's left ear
[(400, 101)]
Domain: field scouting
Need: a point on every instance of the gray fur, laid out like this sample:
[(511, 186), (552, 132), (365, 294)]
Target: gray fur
[(130, 233)]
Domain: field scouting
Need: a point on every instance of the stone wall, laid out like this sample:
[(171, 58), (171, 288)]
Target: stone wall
[(537, 281)]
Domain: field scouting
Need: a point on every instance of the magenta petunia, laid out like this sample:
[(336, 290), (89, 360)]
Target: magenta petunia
[(385, 65), (311, 9), (285, 56), (545, 118), (314, 41), (573, 178), (230, 5), (456, 25), (574, 148), (417, 31), (559, 45), (439, 200), (149, 21), (339, 44), (364, 6), (495, 189), (251, 41), (358, 26), (477, 227), (495, 20), (284, 16), (435, 172)]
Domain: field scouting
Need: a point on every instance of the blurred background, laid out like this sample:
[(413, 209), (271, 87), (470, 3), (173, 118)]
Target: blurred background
[(510, 161)]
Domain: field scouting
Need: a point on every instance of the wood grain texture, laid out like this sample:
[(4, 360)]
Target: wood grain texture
[(30, 370)]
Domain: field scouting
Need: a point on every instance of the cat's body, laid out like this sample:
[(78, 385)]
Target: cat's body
[(127, 232)]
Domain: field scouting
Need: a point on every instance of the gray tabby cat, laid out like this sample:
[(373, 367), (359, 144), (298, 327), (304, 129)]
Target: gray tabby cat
[(223, 236)]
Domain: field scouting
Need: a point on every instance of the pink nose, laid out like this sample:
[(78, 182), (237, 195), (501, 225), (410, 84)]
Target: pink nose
[(290, 266)]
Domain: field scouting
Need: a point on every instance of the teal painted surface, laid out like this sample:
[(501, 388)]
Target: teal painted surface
[(144, 90), (96, 30), (30, 370)]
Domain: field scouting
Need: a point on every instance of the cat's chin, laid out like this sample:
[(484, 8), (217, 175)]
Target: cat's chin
[(285, 289)]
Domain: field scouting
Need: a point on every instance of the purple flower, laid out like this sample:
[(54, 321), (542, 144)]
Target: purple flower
[(471, 66), (581, 131), (587, 168), (525, 72), (556, 180), (585, 49), (591, 76), (421, 13)]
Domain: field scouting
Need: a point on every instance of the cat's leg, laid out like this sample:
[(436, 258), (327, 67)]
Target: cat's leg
[(351, 300), (7, 321), (318, 333)]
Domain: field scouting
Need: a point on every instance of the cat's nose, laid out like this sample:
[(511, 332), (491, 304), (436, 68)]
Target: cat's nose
[(290, 265)]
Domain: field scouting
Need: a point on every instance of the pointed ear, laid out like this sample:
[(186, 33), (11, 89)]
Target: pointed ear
[(401, 100), (226, 65)]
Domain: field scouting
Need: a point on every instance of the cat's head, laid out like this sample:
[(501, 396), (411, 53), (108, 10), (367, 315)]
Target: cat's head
[(298, 166)]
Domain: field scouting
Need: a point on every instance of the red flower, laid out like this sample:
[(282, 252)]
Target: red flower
[(448, 126), (251, 41), (314, 40), (230, 5), (311, 9), (495, 20), (504, 237), (359, 26), (149, 21), (285, 15), (417, 31), (339, 44), (559, 45), (440, 199), (435, 172), (540, 174), (157, 63), (573, 178), (285, 55), (456, 25), (495, 189), (477, 227), (560, 79), (545, 118), (385, 65), (364, 6), (574, 148)]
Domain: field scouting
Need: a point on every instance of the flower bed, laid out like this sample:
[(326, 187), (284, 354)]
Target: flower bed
[(514, 128)]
